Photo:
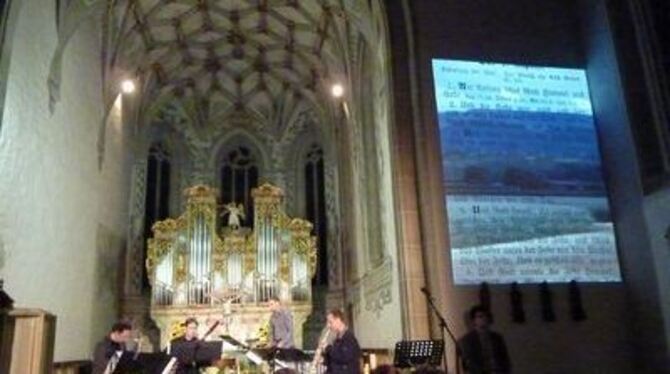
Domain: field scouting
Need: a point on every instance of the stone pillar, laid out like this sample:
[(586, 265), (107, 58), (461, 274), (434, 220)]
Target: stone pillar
[(410, 245), (135, 241)]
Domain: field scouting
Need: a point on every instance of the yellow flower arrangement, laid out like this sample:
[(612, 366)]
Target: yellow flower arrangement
[(178, 329), (263, 333)]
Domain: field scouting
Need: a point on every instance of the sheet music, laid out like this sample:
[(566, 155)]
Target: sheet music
[(171, 367), (113, 361)]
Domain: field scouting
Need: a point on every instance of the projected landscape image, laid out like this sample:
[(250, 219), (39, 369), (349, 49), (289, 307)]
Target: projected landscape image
[(523, 184)]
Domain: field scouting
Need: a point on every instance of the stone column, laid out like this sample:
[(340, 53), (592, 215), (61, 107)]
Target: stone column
[(135, 240)]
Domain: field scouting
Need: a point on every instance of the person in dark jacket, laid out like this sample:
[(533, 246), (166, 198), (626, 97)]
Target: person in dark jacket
[(483, 351), (343, 356), (113, 345), (185, 347)]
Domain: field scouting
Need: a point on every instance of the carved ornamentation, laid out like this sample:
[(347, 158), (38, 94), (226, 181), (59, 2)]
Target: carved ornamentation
[(267, 202), (158, 246), (303, 243), (377, 287), (192, 266)]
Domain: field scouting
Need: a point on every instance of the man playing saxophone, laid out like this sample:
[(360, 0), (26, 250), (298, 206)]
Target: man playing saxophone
[(343, 355), (325, 339), (108, 352)]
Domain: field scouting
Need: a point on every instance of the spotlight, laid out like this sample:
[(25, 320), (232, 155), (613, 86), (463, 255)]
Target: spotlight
[(128, 86), (337, 90)]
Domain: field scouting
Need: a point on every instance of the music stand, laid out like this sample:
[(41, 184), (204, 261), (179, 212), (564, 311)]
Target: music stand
[(144, 363), (234, 342), (196, 353), (207, 352), (412, 353)]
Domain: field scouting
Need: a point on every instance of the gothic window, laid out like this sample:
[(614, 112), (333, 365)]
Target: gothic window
[(315, 204), (239, 174), (156, 206)]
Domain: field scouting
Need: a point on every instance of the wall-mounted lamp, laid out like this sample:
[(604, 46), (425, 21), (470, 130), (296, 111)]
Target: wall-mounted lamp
[(337, 90), (127, 86)]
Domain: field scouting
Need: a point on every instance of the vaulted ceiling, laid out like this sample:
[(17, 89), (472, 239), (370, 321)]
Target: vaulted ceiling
[(267, 58)]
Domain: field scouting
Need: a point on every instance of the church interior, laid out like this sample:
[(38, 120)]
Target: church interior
[(167, 159)]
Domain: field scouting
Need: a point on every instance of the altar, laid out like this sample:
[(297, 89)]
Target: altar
[(224, 276)]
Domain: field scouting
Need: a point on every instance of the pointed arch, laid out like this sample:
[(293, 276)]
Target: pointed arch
[(239, 165)]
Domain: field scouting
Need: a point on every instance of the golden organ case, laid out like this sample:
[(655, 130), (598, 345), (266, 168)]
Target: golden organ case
[(229, 274)]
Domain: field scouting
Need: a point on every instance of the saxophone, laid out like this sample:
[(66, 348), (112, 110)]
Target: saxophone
[(324, 341)]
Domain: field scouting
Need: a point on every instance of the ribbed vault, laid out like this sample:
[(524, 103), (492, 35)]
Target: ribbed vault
[(267, 58)]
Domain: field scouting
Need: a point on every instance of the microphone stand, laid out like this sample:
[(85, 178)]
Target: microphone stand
[(443, 327)]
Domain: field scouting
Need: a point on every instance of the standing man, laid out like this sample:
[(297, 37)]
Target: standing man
[(484, 351), (109, 350), (343, 356), (281, 325), (185, 347)]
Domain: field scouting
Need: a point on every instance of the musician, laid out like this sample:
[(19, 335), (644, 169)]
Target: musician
[(113, 344), (281, 325), (185, 348), (343, 356)]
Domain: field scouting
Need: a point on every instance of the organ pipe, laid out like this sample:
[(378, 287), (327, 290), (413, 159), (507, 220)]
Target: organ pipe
[(187, 255)]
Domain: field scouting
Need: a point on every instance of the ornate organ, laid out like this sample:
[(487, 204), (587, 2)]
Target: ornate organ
[(197, 270)]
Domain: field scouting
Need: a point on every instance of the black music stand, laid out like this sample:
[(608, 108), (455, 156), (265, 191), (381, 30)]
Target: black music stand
[(196, 353), (142, 363), (208, 353), (234, 342), (413, 353)]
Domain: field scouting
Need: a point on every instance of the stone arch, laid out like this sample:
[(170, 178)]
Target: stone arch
[(239, 166), (243, 137)]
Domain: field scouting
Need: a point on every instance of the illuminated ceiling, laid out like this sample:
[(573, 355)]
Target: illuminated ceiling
[(264, 57)]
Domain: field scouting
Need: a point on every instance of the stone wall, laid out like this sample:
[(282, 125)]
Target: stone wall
[(63, 215)]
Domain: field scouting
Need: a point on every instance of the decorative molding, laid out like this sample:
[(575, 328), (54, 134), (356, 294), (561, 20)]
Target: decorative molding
[(353, 296), (377, 287)]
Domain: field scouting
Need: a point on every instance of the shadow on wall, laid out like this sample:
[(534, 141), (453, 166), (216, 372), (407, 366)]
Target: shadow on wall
[(2, 254), (108, 252)]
